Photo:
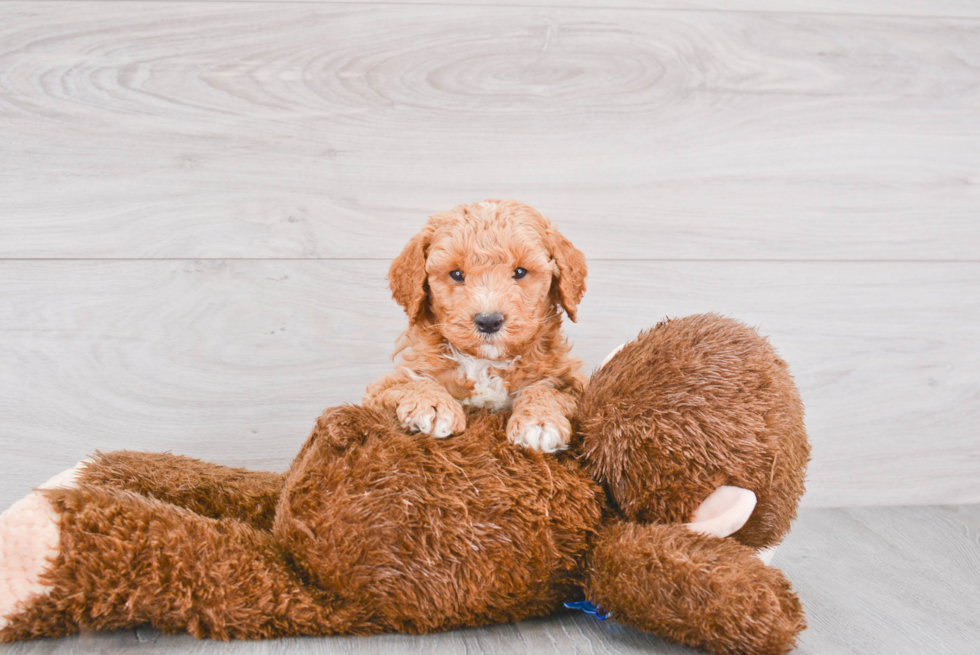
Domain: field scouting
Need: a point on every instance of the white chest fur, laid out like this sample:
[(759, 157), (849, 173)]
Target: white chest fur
[(489, 390)]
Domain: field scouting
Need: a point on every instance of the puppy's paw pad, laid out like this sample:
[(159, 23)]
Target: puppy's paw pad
[(29, 541)]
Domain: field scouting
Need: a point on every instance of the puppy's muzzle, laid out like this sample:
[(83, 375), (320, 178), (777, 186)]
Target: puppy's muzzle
[(489, 323)]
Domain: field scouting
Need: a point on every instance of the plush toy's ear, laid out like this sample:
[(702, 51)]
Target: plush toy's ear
[(569, 283), (724, 512), (699, 590), (612, 354), (407, 277)]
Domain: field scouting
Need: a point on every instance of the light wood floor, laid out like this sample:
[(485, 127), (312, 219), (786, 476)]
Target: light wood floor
[(199, 201), (895, 580)]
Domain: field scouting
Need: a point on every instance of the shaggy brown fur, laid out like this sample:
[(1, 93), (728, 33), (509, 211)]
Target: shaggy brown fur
[(379, 530), (484, 244), (437, 534), (690, 405)]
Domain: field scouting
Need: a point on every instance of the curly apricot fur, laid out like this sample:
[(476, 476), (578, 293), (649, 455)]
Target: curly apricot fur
[(486, 242)]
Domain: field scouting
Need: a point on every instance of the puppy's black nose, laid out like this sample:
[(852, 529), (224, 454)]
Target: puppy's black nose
[(488, 323)]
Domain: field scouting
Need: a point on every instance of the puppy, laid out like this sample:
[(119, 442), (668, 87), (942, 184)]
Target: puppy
[(483, 286)]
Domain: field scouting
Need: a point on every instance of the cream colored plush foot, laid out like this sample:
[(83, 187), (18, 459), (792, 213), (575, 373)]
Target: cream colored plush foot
[(66, 479), (29, 541)]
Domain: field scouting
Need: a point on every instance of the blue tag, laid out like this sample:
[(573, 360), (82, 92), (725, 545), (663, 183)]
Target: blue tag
[(589, 608)]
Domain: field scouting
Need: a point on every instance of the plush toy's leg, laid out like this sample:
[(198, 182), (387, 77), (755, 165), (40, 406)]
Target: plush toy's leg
[(97, 558), (703, 591), (204, 488)]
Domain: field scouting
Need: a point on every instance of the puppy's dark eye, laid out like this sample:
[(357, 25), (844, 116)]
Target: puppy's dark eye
[(457, 275), (519, 273)]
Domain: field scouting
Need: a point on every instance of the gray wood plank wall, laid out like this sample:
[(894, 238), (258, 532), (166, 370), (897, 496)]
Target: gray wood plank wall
[(199, 200)]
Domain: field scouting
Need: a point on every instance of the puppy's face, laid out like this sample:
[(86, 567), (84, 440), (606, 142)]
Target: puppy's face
[(492, 276), (489, 285)]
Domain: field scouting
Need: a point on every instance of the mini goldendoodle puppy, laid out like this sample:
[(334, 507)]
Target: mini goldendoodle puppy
[(482, 285)]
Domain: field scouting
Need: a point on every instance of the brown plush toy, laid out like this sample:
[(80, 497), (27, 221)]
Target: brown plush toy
[(692, 431)]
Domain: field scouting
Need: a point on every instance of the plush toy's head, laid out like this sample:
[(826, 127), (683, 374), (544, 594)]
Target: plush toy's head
[(695, 430), (692, 405)]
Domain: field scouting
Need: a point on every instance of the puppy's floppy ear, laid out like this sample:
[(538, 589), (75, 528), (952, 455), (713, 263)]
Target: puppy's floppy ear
[(569, 283), (407, 277)]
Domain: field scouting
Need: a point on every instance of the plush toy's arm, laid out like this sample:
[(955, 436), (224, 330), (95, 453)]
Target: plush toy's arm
[(703, 591), (206, 489)]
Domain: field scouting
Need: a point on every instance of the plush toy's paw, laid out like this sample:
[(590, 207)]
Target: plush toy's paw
[(438, 414), (29, 542), (547, 432)]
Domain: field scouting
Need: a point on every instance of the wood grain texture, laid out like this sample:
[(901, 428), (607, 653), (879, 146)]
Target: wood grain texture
[(233, 361), (895, 580), (948, 8), (305, 130)]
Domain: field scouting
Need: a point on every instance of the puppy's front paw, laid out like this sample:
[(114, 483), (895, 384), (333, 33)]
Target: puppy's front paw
[(437, 414), (545, 432)]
